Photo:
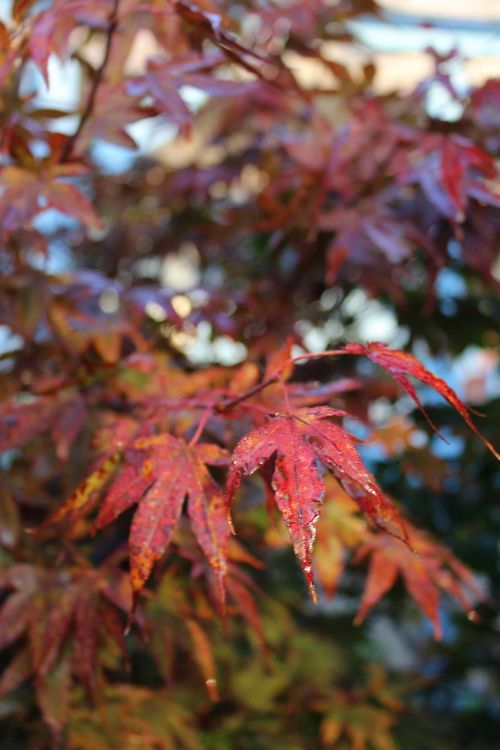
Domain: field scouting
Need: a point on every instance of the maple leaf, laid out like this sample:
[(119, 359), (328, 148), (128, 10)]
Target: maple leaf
[(484, 105), (454, 170), (87, 492), (77, 316), (128, 712), (51, 28), (113, 111), (25, 194), (110, 440), (48, 606), (281, 361), (395, 436), (8, 54), (426, 568), (161, 472), (298, 443), (401, 364), (162, 82), (165, 78), (240, 586), (365, 725), (21, 422), (340, 528)]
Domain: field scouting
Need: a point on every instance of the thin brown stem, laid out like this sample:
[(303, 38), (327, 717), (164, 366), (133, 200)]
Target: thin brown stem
[(248, 394), (317, 355), (201, 426), (98, 77), (275, 377), (285, 395)]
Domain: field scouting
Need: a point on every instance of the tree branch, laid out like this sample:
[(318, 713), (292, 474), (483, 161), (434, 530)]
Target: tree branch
[(99, 75)]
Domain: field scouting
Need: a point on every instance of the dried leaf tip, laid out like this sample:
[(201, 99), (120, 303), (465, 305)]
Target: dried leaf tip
[(212, 689), (312, 591)]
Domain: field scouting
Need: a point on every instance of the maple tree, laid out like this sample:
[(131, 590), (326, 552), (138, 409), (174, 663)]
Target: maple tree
[(135, 407)]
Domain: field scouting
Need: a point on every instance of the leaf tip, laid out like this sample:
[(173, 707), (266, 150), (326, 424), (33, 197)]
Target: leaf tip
[(212, 689), (312, 591), (473, 616)]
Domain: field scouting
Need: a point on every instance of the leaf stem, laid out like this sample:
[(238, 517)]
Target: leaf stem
[(275, 377), (317, 355), (201, 426), (248, 394), (285, 395)]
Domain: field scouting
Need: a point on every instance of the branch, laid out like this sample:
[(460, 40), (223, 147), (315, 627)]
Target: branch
[(251, 392), (99, 75), (275, 376)]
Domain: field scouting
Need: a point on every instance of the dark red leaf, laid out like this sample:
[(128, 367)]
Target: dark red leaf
[(162, 472)]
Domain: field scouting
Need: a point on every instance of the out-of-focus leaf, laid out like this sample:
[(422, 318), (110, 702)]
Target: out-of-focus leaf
[(366, 727), (339, 529), (53, 693), (204, 657), (52, 27), (10, 521), (21, 422), (426, 568), (26, 194), (16, 672)]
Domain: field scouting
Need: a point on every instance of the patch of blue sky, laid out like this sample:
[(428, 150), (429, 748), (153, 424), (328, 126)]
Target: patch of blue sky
[(62, 91), (9, 342), (59, 258), (450, 285), (5, 10), (394, 35)]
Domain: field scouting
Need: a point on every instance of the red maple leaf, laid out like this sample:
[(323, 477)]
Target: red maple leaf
[(453, 170), (51, 28), (162, 471), (27, 193), (299, 442), (400, 365), (21, 422), (79, 608)]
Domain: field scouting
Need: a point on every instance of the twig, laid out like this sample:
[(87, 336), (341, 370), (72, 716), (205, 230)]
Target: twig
[(99, 74), (251, 392), (275, 376), (201, 426)]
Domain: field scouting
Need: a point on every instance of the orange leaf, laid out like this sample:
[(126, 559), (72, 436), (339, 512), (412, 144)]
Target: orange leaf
[(426, 568)]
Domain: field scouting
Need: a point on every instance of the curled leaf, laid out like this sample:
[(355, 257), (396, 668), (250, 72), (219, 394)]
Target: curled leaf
[(401, 364)]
